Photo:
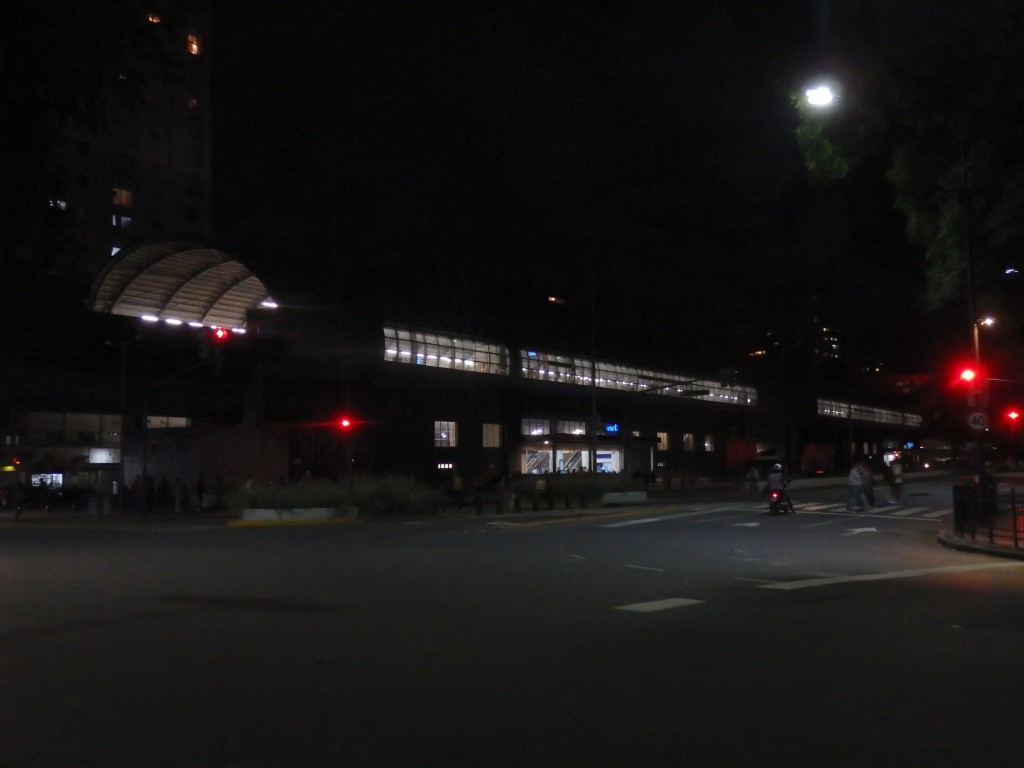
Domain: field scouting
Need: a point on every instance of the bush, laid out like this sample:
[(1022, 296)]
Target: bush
[(372, 496)]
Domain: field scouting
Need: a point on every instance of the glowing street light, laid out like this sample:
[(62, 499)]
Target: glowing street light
[(820, 96)]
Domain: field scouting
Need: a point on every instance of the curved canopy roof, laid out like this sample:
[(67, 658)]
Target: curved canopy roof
[(174, 280)]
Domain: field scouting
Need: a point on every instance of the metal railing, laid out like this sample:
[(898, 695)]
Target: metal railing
[(982, 514)]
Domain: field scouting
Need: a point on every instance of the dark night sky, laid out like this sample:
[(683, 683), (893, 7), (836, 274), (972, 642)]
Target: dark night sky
[(454, 161)]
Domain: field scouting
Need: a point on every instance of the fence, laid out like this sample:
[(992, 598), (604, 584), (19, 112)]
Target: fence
[(982, 514)]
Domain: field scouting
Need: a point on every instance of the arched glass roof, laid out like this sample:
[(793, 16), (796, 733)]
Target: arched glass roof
[(174, 281)]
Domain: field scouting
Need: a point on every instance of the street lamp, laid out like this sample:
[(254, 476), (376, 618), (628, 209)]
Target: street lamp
[(986, 321)]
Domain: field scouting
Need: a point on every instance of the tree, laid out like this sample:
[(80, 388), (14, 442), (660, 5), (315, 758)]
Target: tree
[(937, 97)]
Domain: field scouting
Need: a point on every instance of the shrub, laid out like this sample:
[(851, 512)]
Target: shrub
[(373, 496)]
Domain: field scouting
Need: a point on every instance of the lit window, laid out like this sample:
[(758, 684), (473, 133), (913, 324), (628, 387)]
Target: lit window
[(446, 434), (60, 205), (535, 427), (663, 441), (193, 44), (709, 443), (122, 197), (688, 442), (154, 19), (492, 436), (571, 427), (121, 222)]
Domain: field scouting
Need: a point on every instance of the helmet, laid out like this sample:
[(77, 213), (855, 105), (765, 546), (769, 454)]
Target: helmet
[(776, 466)]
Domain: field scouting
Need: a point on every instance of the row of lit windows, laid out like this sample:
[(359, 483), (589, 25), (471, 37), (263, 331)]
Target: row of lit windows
[(439, 351), (458, 353), (446, 434), (841, 410), (546, 366)]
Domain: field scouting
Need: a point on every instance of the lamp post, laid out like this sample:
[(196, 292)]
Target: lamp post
[(979, 392)]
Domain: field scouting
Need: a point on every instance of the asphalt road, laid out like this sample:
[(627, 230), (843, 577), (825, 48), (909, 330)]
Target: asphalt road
[(702, 633)]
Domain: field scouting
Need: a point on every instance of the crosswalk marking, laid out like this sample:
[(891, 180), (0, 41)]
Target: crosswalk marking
[(659, 605), (705, 509)]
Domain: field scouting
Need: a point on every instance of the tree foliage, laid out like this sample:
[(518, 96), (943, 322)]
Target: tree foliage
[(938, 94)]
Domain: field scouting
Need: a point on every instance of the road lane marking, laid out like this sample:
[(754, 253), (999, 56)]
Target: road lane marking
[(658, 605), (908, 574), (645, 568), (940, 513), (645, 520)]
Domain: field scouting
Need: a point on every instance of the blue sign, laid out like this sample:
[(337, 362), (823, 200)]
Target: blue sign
[(611, 428)]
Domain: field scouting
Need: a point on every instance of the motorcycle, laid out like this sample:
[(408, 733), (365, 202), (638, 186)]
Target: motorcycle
[(778, 504)]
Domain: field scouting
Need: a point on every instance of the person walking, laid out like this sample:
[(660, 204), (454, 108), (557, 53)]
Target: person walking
[(895, 478), (857, 492)]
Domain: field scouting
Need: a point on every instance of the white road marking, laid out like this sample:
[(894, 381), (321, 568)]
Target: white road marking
[(908, 574), (645, 520), (910, 511), (658, 605), (645, 568), (940, 513), (855, 531)]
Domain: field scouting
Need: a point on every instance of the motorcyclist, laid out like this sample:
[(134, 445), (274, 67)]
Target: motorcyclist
[(777, 481)]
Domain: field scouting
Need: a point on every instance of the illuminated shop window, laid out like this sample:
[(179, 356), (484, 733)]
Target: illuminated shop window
[(446, 434), (436, 350)]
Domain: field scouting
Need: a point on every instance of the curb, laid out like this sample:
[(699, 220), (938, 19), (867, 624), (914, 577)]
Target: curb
[(952, 541)]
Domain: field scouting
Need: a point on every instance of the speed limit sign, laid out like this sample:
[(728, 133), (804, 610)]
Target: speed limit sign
[(977, 420)]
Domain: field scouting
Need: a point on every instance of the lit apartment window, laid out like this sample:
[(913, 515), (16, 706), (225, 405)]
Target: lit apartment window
[(492, 435), (535, 427), (446, 434), (193, 44), (663, 441), (122, 197), (709, 443), (688, 442), (154, 19)]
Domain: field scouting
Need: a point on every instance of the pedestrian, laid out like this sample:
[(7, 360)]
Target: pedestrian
[(856, 499), (895, 478), (753, 478), (869, 483)]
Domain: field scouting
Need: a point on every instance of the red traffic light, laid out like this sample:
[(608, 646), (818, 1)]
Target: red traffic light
[(968, 374), (220, 335), (1013, 414), (345, 423)]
